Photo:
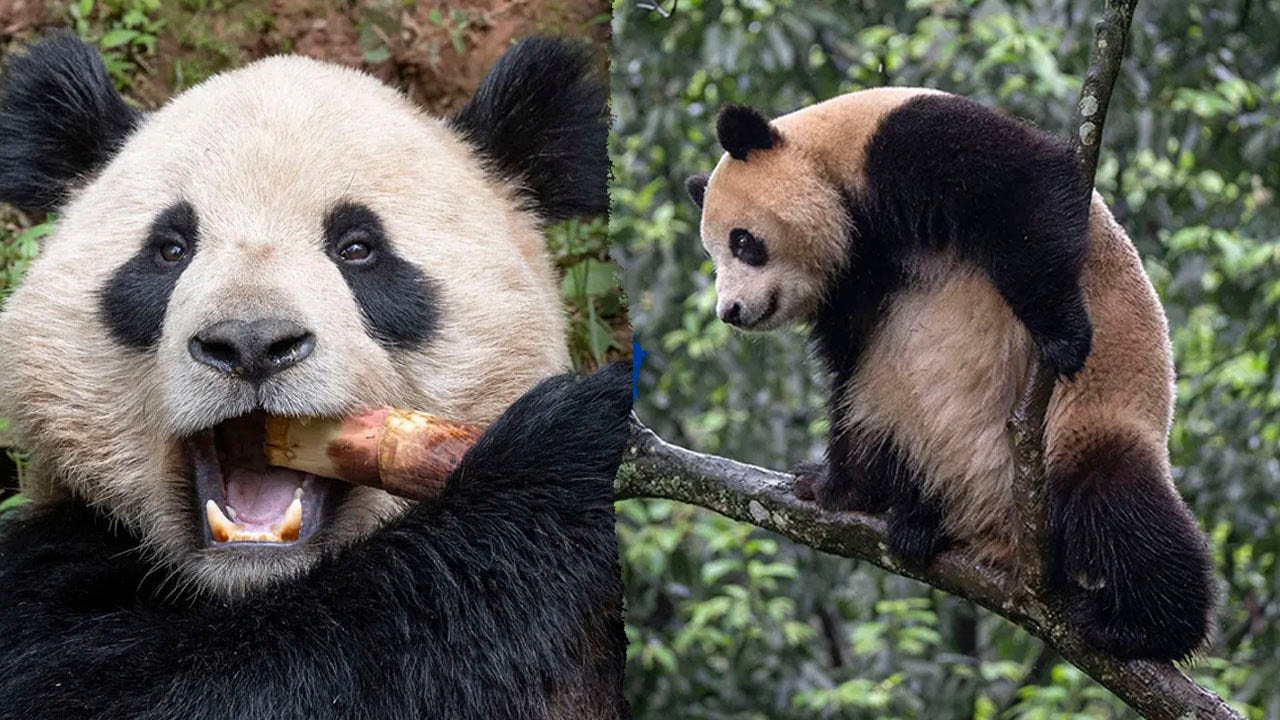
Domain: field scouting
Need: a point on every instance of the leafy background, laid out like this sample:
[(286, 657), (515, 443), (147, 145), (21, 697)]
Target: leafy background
[(435, 52), (731, 622)]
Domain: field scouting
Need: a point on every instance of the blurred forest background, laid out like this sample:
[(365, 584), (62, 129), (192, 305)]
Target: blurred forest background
[(435, 52), (730, 622)]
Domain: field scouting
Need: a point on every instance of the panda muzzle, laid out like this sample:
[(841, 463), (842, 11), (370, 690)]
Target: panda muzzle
[(243, 498)]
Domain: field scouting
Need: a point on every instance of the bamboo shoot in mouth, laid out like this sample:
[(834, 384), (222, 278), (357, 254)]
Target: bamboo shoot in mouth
[(406, 453)]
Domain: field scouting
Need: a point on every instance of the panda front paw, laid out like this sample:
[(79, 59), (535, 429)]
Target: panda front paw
[(564, 429), (1066, 344)]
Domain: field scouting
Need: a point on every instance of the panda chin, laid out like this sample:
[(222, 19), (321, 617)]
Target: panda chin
[(245, 502)]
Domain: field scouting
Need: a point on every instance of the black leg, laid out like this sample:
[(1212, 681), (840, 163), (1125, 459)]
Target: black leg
[(1049, 305), (947, 173), (875, 478), (915, 527), (1127, 555)]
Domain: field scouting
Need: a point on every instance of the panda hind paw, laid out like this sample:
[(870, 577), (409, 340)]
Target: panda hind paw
[(915, 533), (808, 477)]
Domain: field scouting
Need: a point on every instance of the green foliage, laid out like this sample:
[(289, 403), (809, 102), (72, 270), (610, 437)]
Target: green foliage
[(123, 30), (11, 502), (456, 23), (1189, 167), (18, 247), (209, 33), (598, 327)]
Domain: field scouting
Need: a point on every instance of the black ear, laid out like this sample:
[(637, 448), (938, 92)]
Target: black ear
[(742, 129), (540, 117), (61, 119), (696, 186)]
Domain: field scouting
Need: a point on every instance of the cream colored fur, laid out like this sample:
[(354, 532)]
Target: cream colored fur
[(943, 370), (262, 153), (940, 377)]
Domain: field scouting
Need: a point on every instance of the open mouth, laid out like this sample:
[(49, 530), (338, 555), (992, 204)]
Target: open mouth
[(242, 499)]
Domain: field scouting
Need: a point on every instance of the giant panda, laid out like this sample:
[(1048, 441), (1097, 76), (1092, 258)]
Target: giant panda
[(294, 238), (933, 246)]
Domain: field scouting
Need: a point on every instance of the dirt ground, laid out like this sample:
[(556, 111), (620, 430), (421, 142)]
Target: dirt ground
[(435, 51)]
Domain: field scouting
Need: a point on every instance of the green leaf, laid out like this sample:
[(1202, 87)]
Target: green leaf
[(118, 37), (13, 501), (377, 54), (590, 278)]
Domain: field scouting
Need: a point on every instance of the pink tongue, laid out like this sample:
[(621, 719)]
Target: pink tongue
[(261, 497)]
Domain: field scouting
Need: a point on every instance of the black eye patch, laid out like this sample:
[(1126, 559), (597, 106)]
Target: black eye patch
[(398, 302), (133, 302), (748, 248)]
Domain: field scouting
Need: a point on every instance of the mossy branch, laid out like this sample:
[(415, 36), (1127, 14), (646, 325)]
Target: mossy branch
[(656, 469)]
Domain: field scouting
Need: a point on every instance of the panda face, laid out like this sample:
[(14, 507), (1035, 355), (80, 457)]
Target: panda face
[(778, 210), (290, 239), (775, 230)]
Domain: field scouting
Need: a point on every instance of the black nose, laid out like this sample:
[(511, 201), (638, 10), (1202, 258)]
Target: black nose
[(732, 314), (253, 350)]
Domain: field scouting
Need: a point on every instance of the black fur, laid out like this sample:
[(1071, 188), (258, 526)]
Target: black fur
[(1127, 555), (135, 299), (540, 116), (696, 186), (399, 303), (742, 129), (477, 605), (60, 120), (948, 172), (875, 477)]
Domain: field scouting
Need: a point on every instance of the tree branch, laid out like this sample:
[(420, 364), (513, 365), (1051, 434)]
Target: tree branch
[(1110, 36), (655, 468), (1026, 422)]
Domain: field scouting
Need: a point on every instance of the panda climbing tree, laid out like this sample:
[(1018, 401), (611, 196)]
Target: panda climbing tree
[(970, 294)]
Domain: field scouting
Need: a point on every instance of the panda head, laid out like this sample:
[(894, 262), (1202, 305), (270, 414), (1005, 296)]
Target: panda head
[(776, 210), (291, 238), (771, 223)]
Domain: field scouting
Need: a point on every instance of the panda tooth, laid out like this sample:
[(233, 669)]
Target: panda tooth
[(219, 526), (289, 528), (231, 513)]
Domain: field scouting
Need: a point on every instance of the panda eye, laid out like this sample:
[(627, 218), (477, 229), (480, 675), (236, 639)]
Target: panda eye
[(356, 253), (171, 251), (748, 248)]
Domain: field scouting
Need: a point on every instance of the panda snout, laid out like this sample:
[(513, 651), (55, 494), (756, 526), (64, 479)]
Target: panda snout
[(731, 313), (253, 350), (748, 316)]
